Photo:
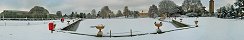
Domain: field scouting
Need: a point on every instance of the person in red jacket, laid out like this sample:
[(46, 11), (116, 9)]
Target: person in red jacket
[(51, 26), (62, 20)]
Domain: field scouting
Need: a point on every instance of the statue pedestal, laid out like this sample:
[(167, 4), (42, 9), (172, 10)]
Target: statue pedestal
[(159, 31), (100, 34)]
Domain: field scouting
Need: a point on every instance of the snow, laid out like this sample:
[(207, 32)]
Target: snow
[(122, 26), (36, 30), (210, 28), (21, 23)]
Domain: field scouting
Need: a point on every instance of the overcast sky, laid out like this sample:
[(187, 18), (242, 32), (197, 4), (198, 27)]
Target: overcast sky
[(67, 6)]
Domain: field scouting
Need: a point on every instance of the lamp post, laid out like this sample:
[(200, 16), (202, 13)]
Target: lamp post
[(3, 15), (196, 22)]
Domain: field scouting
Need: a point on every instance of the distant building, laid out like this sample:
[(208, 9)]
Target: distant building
[(211, 7), (143, 14)]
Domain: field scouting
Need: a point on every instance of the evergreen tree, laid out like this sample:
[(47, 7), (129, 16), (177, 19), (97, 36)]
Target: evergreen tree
[(119, 14), (72, 15), (59, 13), (126, 12), (153, 11), (81, 15), (77, 15), (111, 15), (89, 16), (65, 15), (136, 14), (168, 7), (105, 11), (240, 8), (93, 12), (84, 15), (98, 14)]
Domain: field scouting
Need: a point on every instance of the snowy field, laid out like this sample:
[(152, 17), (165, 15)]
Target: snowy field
[(210, 28), (21, 23)]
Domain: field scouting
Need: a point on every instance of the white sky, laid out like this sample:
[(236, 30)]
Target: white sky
[(67, 6)]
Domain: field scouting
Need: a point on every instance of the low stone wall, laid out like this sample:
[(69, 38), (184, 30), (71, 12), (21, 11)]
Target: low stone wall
[(179, 24), (130, 35), (72, 27)]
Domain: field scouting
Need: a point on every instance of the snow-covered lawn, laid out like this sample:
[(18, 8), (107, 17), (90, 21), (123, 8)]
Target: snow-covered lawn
[(210, 28), (121, 26), (21, 23), (35, 30)]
